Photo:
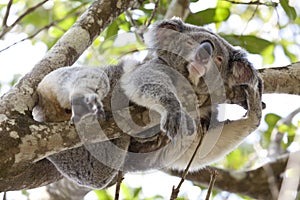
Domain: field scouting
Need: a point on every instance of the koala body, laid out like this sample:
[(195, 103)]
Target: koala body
[(215, 72)]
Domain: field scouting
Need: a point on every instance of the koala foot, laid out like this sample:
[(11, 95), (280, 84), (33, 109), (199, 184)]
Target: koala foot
[(87, 104), (178, 121)]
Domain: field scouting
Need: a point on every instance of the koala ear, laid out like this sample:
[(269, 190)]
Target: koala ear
[(169, 24), (242, 72), (163, 32)]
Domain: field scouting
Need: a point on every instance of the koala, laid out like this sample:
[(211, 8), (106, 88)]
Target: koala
[(77, 93), (217, 72), (188, 73)]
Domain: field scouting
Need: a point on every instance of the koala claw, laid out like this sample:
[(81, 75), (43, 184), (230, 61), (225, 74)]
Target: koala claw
[(172, 124), (84, 105), (190, 124), (178, 121)]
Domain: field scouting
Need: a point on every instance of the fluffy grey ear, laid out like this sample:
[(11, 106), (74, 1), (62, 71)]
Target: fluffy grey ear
[(242, 72), (162, 31), (173, 24)]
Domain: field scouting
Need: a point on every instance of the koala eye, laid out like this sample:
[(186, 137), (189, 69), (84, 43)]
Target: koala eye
[(219, 59)]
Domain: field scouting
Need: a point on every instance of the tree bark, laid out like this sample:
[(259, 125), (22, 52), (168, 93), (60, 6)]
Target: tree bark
[(257, 183), (282, 79), (24, 141)]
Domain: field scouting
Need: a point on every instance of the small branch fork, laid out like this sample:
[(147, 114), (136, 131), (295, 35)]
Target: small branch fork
[(213, 175), (269, 4), (53, 23), (140, 30), (7, 28)]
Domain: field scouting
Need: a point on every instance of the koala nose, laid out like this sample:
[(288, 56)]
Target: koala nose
[(204, 52)]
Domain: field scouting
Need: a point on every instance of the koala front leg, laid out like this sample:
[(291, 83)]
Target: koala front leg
[(154, 90), (87, 92), (230, 134)]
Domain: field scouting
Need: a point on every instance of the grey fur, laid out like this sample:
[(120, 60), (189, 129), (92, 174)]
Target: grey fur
[(216, 72)]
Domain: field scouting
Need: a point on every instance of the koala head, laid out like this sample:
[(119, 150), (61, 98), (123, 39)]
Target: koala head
[(194, 51)]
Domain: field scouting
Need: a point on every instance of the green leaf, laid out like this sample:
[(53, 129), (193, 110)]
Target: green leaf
[(103, 195), (126, 191), (271, 120), (290, 11), (290, 55), (268, 55), (15, 79), (289, 129), (211, 15), (283, 128), (251, 43), (137, 192), (112, 30)]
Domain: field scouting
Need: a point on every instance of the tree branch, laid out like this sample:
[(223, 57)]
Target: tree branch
[(53, 23), (4, 22), (178, 8), (282, 79), (24, 141), (29, 10), (65, 52), (270, 4), (253, 183)]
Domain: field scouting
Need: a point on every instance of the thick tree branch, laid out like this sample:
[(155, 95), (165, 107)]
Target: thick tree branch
[(24, 141), (65, 52), (253, 183), (282, 79), (37, 174)]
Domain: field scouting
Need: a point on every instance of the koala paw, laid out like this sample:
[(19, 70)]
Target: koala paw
[(86, 104), (175, 122)]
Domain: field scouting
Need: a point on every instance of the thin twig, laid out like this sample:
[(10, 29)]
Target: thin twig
[(148, 22), (118, 185), (4, 196), (252, 16), (270, 4), (213, 175), (138, 30), (176, 190), (275, 148), (28, 11), (131, 21), (4, 22), (39, 30)]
